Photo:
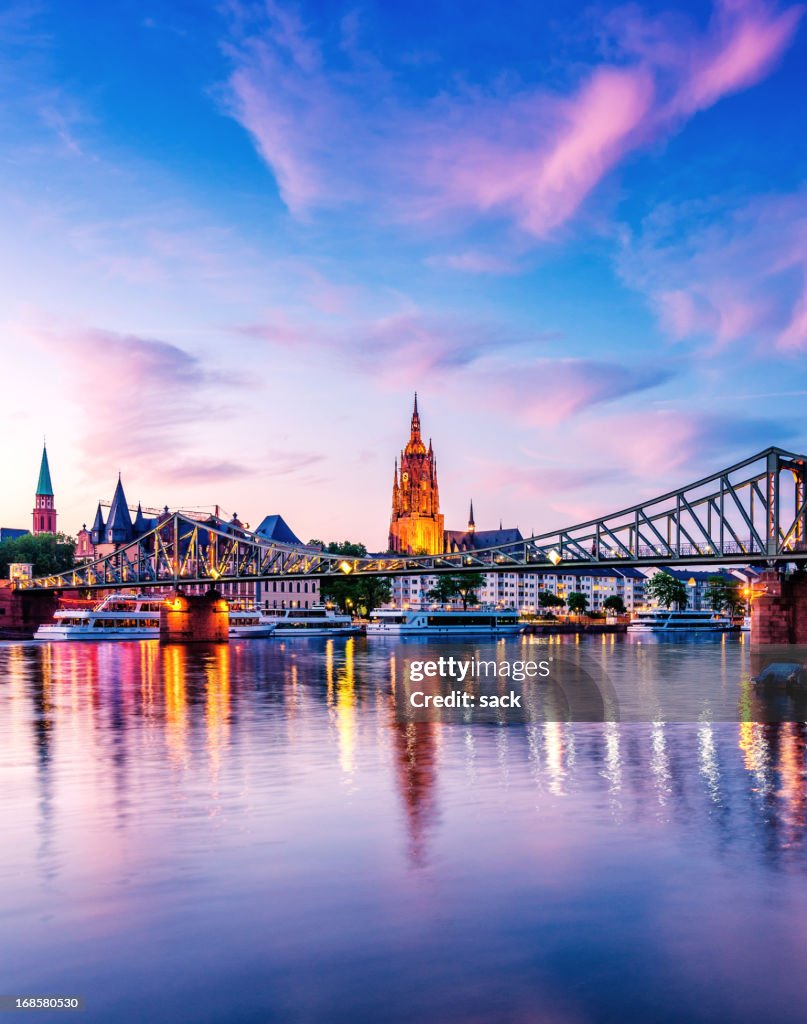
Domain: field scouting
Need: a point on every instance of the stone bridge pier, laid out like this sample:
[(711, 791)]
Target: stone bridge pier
[(23, 611), (779, 613), (195, 619)]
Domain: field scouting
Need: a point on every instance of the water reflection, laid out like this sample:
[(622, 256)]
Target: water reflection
[(94, 699), (162, 784)]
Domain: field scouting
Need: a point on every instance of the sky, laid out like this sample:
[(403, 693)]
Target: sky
[(236, 237)]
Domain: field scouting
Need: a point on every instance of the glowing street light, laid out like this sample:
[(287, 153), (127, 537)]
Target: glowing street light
[(553, 556)]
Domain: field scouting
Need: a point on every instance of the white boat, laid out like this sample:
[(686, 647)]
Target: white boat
[(315, 621), (122, 616), (476, 622), (250, 623), (667, 620), (128, 616)]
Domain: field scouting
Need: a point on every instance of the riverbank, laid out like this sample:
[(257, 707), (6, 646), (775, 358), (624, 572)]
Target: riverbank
[(570, 628)]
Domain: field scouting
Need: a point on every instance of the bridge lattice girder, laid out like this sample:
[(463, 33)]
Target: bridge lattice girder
[(754, 512)]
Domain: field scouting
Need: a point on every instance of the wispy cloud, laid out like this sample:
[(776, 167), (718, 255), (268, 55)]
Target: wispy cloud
[(651, 446), (474, 261), (403, 346), (549, 391), (724, 273), (141, 397), (505, 370), (530, 155)]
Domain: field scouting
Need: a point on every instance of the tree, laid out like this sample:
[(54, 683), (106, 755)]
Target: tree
[(49, 553), (546, 599), (666, 590), (359, 594), (577, 602), (462, 585), (724, 594), (614, 604)]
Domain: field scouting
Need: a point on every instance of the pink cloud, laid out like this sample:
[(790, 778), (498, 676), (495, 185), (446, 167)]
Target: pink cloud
[(542, 183), (479, 362), (747, 40), (737, 274), (651, 444), (146, 398), (549, 391), (401, 347), (474, 261), (530, 480), (531, 156)]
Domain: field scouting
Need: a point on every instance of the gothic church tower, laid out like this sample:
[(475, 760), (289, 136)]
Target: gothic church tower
[(416, 526), (44, 514)]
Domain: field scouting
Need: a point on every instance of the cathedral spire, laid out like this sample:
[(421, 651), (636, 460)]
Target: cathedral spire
[(471, 523), (415, 428)]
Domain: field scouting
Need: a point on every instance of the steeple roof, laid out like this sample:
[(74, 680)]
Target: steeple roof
[(119, 523), (140, 523), (44, 486), (415, 445), (98, 522)]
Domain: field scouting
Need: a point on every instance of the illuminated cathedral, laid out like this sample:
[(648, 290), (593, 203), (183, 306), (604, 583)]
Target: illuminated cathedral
[(416, 526)]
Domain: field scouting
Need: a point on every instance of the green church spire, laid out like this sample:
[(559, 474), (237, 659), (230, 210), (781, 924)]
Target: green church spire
[(44, 486)]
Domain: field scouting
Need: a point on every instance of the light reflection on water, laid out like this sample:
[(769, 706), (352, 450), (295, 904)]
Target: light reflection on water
[(250, 832)]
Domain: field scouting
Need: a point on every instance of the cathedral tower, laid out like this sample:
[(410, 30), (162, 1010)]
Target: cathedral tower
[(44, 512), (416, 526)]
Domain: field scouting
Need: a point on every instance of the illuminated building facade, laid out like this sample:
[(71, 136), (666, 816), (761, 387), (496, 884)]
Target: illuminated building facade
[(416, 526)]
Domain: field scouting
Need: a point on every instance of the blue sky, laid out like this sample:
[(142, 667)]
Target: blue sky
[(237, 239)]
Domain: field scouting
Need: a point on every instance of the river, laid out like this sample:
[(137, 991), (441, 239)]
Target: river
[(255, 832)]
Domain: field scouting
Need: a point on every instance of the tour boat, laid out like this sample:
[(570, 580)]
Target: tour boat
[(250, 623), (473, 622), (668, 621), (127, 616), (315, 621), (120, 616)]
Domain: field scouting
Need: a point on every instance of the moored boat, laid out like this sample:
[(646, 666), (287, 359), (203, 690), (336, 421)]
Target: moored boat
[(670, 621), (315, 621), (132, 616), (250, 623), (473, 622), (120, 616)]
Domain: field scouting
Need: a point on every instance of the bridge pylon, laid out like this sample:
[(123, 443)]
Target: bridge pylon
[(194, 619)]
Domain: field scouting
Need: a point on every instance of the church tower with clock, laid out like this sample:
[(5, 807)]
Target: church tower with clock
[(416, 526)]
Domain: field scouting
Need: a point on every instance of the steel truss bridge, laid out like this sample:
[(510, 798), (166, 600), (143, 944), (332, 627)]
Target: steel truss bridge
[(754, 512)]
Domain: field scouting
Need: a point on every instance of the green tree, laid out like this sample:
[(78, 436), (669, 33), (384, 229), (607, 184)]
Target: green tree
[(614, 604), (462, 585), (49, 553), (546, 599), (724, 595), (577, 602), (666, 590), (353, 594)]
